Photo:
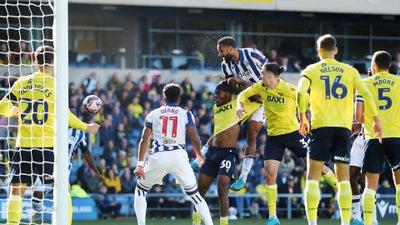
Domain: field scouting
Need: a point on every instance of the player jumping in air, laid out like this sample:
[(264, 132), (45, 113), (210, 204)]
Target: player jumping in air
[(385, 91), (168, 126), (34, 98), (222, 154), (279, 100), (242, 66), (332, 85)]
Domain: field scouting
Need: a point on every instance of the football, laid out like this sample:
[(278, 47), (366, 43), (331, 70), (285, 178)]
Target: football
[(92, 104)]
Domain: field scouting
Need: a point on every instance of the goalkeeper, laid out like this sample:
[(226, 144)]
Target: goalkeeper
[(32, 98)]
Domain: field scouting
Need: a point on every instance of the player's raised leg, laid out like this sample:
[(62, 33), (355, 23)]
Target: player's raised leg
[(14, 204)]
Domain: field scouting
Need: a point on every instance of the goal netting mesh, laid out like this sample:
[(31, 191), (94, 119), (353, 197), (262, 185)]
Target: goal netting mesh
[(24, 26)]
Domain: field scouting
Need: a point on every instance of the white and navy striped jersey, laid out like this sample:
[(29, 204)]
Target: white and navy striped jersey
[(168, 124), (249, 66), (77, 139)]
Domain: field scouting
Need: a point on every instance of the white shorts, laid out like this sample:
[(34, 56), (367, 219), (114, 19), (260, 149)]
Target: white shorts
[(174, 162), (258, 115), (357, 152)]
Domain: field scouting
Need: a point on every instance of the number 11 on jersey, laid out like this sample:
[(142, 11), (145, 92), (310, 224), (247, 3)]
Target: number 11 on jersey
[(164, 125)]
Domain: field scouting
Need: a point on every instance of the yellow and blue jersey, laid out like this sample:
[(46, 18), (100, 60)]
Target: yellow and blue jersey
[(279, 106), (35, 97), (385, 90)]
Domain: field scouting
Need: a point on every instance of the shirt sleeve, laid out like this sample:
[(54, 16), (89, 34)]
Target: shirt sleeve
[(244, 96), (225, 70), (302, 94), (75, 122), (190, 119), (362, 90), (9, 100), (148, 122), (259, 58)]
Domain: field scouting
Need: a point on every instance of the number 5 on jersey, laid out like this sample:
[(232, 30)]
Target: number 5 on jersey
[(165, 122)]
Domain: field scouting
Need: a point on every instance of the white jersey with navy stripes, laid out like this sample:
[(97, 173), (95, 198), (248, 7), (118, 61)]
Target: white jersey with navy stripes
[(249, 66), (168, 155), (168, 124), (76, 140)]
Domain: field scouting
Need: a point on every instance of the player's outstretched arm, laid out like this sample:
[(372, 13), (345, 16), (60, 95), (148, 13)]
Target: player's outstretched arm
[(196, 143), (75, 122), (89, 159), (143, 144), (243, 99)]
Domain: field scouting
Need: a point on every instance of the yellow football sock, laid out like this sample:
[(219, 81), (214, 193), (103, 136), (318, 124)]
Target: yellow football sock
[(272, 197), (331, 180), (69, 208), (223, 220), (14, 210), (369, 206), (196, 218), (312, 195), (345, 200), (398, 202)]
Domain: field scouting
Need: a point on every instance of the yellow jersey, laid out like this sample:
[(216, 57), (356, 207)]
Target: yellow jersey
[(385, 90), (35, 97), (279, 106), (225, 115), (332, 85)]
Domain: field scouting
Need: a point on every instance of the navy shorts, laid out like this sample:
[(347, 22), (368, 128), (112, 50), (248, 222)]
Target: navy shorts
[(28, 164), (275, 146), (220, 161), (376, 154), (328, 143)]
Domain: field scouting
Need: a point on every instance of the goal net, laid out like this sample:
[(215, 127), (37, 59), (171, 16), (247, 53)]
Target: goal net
[(31, 134)]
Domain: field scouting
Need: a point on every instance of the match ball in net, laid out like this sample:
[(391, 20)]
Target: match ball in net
[(92, 104)]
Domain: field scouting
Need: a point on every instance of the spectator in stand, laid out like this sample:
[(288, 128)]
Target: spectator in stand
[(110, 153), (122, 159), (273, 56), (89, 84), (187, 88), (114, 81), (103, 167), (135, 108), (395, 66), (128, 182), (22, 55), (210, 84), (157, 84), (4, 54), (107, 205), (112, 182)]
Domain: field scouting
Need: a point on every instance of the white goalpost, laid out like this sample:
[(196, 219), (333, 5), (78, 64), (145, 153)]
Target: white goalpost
[(24, 26), (61, 149)]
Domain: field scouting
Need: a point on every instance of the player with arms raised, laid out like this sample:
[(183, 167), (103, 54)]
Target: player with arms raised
[(32, 98), (168, 126), (332, 85), (385, 91), (242, 66)]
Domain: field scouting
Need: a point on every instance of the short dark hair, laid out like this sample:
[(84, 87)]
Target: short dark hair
[(226, 87), (172, 92), (382, 59), (227, 41), (44, 55), (273, 68), (326, 42)]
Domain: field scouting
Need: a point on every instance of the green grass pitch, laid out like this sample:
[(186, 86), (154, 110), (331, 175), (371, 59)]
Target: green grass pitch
[(132, 221)]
